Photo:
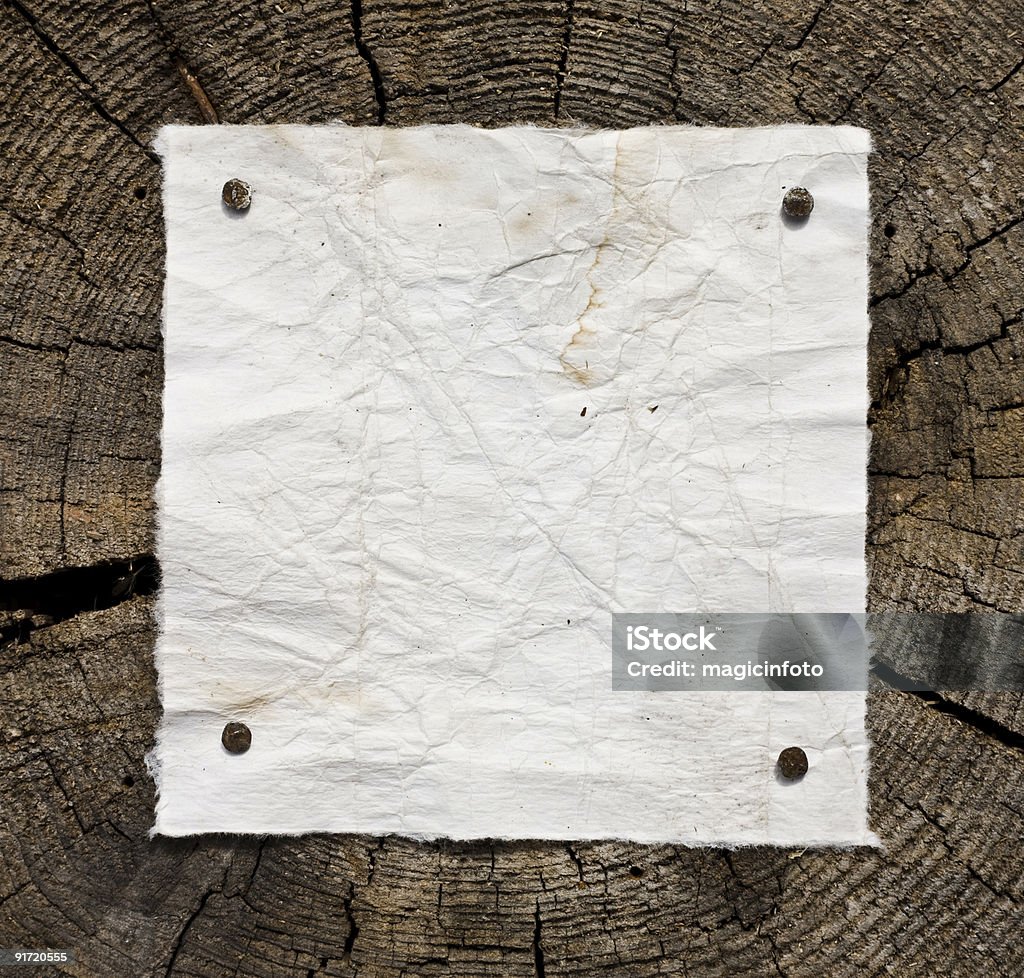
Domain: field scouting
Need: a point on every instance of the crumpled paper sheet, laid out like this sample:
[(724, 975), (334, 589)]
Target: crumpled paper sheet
[(446, 398)]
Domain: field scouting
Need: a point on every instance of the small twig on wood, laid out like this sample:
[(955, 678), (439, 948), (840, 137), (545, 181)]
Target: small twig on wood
[(209, 113)]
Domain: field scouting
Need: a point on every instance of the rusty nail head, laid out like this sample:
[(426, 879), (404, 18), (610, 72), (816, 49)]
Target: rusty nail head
[(798, 203), (237, 738), (237, 195), (792, 763)]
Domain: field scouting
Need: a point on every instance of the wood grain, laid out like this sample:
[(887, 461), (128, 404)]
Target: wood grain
[(84, 89)]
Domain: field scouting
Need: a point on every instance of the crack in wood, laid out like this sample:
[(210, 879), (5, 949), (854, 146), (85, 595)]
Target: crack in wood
[(809, 28), (28, 604), (371, 62), (930, 269), (538, 948), (982, 724), (65, 59), (179, 942)]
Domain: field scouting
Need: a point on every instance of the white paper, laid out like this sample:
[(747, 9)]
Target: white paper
[(392, 539)]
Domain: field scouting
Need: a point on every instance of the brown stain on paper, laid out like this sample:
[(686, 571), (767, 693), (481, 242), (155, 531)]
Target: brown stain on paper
[(578, 344), (583, 339)]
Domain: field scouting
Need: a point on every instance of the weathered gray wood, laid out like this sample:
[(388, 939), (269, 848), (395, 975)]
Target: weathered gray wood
[(84, 88)]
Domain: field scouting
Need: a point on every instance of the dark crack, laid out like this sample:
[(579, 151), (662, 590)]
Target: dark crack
[(869, 83), (538, 950), (806, 32), (27, 604), (183, 933), (756, 60), (371, 63), (986, 726), (575, 857), (1009, 76), (930, 269), (896, 375), (65, 59), (353, 927)]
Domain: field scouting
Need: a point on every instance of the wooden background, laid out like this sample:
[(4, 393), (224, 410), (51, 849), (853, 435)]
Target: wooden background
[(85, 86)]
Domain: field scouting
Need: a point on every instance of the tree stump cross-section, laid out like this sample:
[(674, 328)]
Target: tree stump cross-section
[(85, 87)]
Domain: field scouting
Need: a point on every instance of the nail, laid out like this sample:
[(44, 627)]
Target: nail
[(792, 763), (236, 738), (237, 194), (798, 203)]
